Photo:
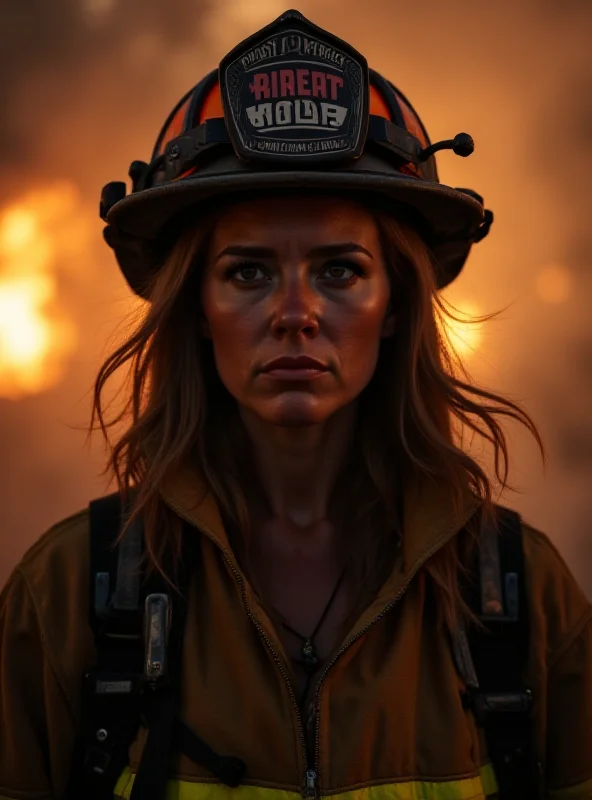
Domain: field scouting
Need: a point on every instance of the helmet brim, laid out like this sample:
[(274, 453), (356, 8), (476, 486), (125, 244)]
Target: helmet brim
[(449, 213), (451, 216)]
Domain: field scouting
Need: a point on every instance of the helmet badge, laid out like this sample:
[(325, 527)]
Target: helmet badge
[(296, 94)]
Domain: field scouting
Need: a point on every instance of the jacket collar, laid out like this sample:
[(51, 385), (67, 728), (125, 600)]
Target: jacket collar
[(428, 521)]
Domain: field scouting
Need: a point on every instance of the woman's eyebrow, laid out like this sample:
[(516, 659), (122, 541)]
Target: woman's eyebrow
[(255, 251)]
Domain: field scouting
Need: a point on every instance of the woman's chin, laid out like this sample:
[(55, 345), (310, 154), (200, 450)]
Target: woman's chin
[(298, 410)]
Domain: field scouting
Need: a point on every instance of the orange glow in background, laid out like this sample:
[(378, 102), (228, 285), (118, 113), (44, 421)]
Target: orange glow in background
[(89, 90), (36, 336)]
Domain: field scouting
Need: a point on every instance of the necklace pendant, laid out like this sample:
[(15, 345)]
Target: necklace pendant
[(309, 655)]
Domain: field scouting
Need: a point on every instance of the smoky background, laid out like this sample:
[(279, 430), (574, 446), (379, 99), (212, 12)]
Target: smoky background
[(85, 86)]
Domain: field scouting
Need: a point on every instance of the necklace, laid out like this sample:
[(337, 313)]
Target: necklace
[(310, 658)]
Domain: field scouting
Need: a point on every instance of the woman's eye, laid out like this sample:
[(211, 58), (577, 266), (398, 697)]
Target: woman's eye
[(246, 273), (343, 272)]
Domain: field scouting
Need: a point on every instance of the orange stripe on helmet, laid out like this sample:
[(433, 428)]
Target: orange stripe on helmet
[(175, 126), (412, 124), (379, 107), (212, 105), (377, 104), (211, 108)]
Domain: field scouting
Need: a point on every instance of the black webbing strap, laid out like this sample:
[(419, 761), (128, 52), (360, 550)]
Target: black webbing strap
[(182, 152), (111, 695), (502, 702), (228, 769)]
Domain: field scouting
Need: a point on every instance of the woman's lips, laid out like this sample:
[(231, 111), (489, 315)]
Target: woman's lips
[(295, 374), (295, 368)]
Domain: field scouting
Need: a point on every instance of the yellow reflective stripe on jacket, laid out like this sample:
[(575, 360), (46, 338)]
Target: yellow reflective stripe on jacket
[(477, 788), (582, 791), (488, 780)]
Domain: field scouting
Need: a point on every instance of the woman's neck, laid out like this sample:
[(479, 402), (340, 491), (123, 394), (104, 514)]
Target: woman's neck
[(297, 467)]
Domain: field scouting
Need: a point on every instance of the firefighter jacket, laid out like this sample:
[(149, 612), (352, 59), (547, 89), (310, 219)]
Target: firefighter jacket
[(387, 721)]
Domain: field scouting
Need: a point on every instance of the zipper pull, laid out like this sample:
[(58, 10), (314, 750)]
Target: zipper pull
[(311, 783)]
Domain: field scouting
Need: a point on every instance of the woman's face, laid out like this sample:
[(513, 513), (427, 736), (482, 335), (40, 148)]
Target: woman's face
[(295, 277)]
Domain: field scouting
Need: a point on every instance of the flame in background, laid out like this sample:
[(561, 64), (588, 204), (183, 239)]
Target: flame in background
[(36, 336)]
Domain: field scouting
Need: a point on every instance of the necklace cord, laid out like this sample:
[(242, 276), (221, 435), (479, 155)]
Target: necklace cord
[(310, 657)]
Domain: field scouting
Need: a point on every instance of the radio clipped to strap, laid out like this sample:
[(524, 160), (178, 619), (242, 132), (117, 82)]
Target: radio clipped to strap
[(493, 660), (158, 618)]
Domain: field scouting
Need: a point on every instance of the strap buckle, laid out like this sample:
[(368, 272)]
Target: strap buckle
[(495, 707), (102, 684)]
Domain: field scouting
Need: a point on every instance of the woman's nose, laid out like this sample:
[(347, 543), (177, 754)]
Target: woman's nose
[(296, 309)]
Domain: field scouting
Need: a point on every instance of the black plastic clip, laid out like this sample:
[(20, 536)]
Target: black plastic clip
[(136, 172), (111, 194), (485, 226), (110, 684), (491, 707)]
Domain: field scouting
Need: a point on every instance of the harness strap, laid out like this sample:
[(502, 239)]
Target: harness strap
[(228, 769), (111, 691), (494, 660)]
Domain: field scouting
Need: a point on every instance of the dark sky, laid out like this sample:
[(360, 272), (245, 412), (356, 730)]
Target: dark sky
[(84, 89)]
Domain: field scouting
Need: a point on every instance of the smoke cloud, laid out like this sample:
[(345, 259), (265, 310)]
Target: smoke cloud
[(85, 87)]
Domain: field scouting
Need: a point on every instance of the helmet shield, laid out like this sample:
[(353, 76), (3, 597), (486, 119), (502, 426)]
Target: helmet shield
[(294, 94)]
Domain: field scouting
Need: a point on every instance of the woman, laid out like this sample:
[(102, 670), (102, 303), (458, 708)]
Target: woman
[(294, 449)]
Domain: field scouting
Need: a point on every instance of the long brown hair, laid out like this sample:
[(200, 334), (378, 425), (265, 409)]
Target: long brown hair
[(177, 410)]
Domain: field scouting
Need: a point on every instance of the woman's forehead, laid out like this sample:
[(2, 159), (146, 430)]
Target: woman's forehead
[(313, 216)]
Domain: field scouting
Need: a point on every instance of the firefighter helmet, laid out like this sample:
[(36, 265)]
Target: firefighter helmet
[(292, 107)]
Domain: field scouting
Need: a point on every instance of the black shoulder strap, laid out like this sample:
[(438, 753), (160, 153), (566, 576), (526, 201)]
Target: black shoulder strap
[(111, 696), (495, 663), (139, 644)]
